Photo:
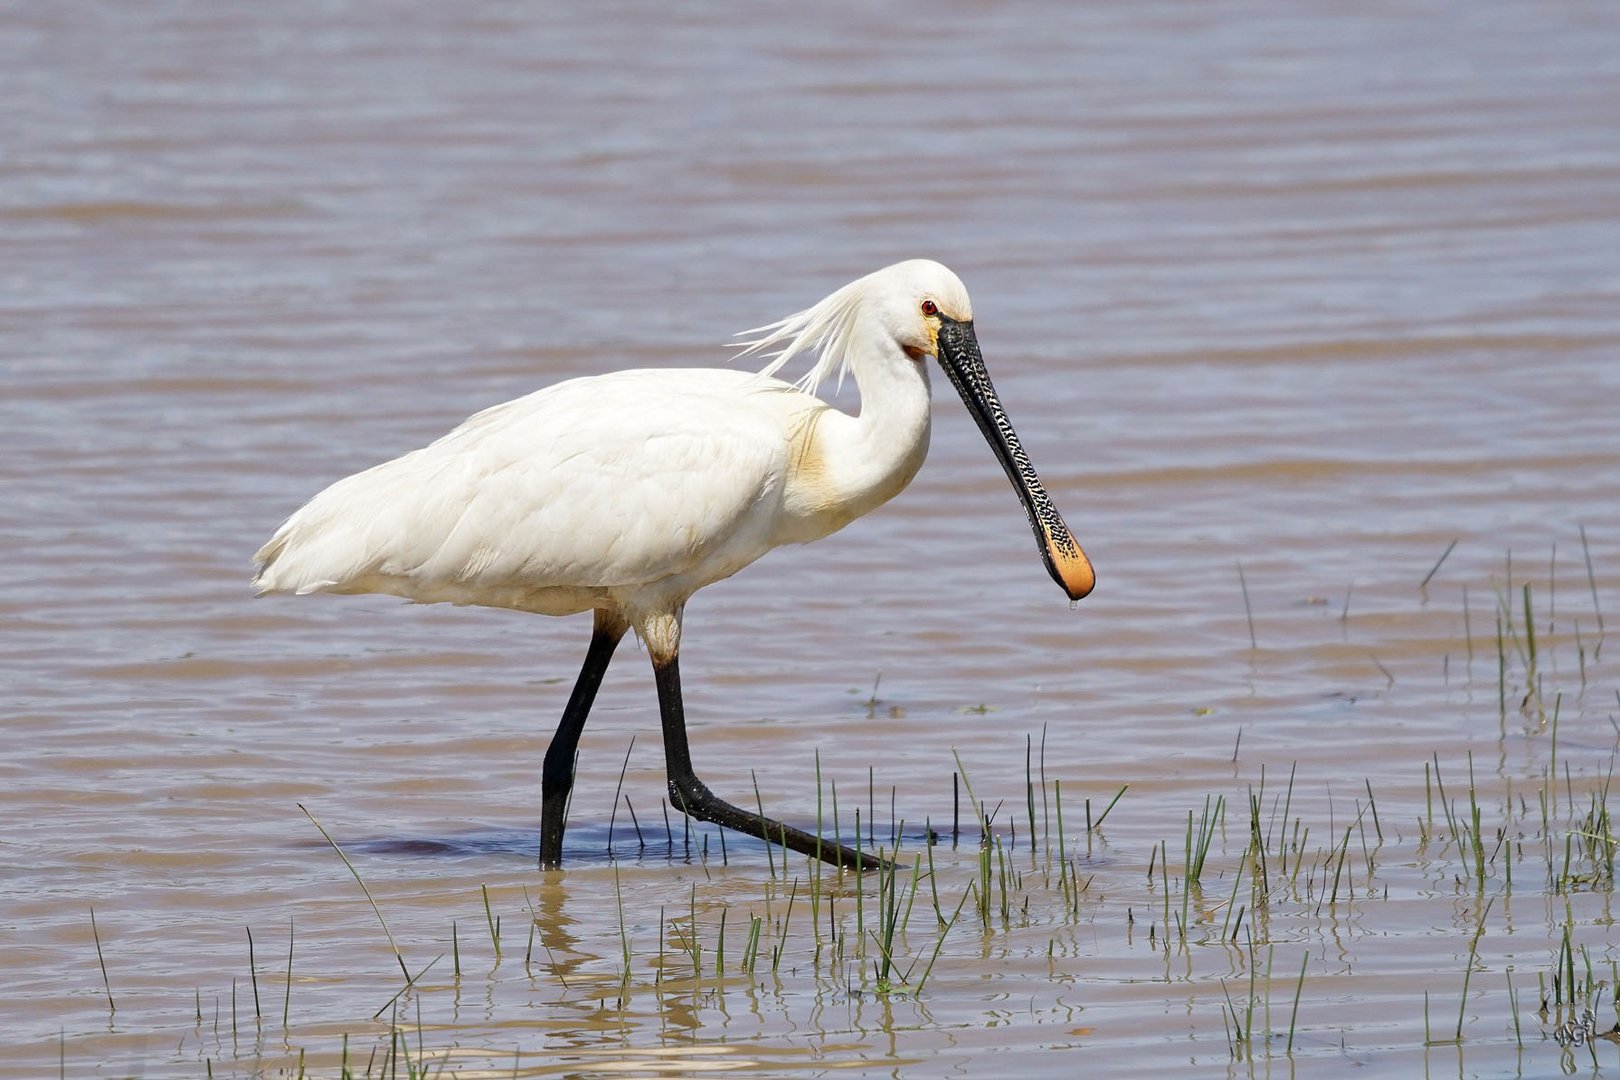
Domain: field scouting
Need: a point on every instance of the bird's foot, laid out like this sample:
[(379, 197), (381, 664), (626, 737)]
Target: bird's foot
[(695, 799)]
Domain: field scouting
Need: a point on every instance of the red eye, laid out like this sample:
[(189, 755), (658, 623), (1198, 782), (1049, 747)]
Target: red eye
[(930, 308)]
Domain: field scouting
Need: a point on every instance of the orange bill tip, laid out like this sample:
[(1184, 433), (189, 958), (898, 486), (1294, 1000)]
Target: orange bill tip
[(1069, 565)]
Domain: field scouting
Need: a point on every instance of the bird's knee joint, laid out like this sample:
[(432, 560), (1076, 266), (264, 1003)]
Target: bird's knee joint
[(661, 633)]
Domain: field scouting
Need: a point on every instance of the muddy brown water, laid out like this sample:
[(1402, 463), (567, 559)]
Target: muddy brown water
[(1315, 293)]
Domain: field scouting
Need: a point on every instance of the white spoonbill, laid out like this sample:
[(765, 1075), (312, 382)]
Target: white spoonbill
[(624, 494)]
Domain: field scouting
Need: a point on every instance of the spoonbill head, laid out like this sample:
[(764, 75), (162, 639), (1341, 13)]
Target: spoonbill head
[(625, 493)]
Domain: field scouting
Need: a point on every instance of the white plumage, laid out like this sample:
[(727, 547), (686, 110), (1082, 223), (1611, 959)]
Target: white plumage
[(552, 502), (625, 493)]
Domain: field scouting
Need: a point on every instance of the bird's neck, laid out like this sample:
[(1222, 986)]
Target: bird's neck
[(847, 465), (891, 430)]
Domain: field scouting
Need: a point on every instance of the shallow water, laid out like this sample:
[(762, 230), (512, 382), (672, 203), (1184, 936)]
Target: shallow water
[(1311, 294)]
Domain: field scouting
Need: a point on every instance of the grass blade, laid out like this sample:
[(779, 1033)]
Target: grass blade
[(369, 898)]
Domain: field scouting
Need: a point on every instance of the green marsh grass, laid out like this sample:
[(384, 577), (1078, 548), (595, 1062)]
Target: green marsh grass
[(1248, 609), (286, 999), (879, 940), (101, 959), (1435, 569), (392, 944), (253, 975), (1302, 869), (493, 923)]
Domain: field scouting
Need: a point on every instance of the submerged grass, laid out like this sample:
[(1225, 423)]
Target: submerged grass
[(874, 938), (1300, 870)]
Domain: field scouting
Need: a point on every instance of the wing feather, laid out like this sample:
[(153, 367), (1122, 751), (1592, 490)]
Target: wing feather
[(611, 481)]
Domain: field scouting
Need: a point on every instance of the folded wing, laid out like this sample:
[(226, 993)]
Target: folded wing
[(613, 481)]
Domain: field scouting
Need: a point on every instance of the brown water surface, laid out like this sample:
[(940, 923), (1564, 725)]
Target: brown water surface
[(1313, 291)]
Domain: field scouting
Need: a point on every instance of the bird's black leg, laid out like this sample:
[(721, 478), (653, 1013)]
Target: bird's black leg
[(688, 793), (557, 780)]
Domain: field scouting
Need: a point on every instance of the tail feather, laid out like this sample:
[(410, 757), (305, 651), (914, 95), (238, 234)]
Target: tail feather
[(328, 545)]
